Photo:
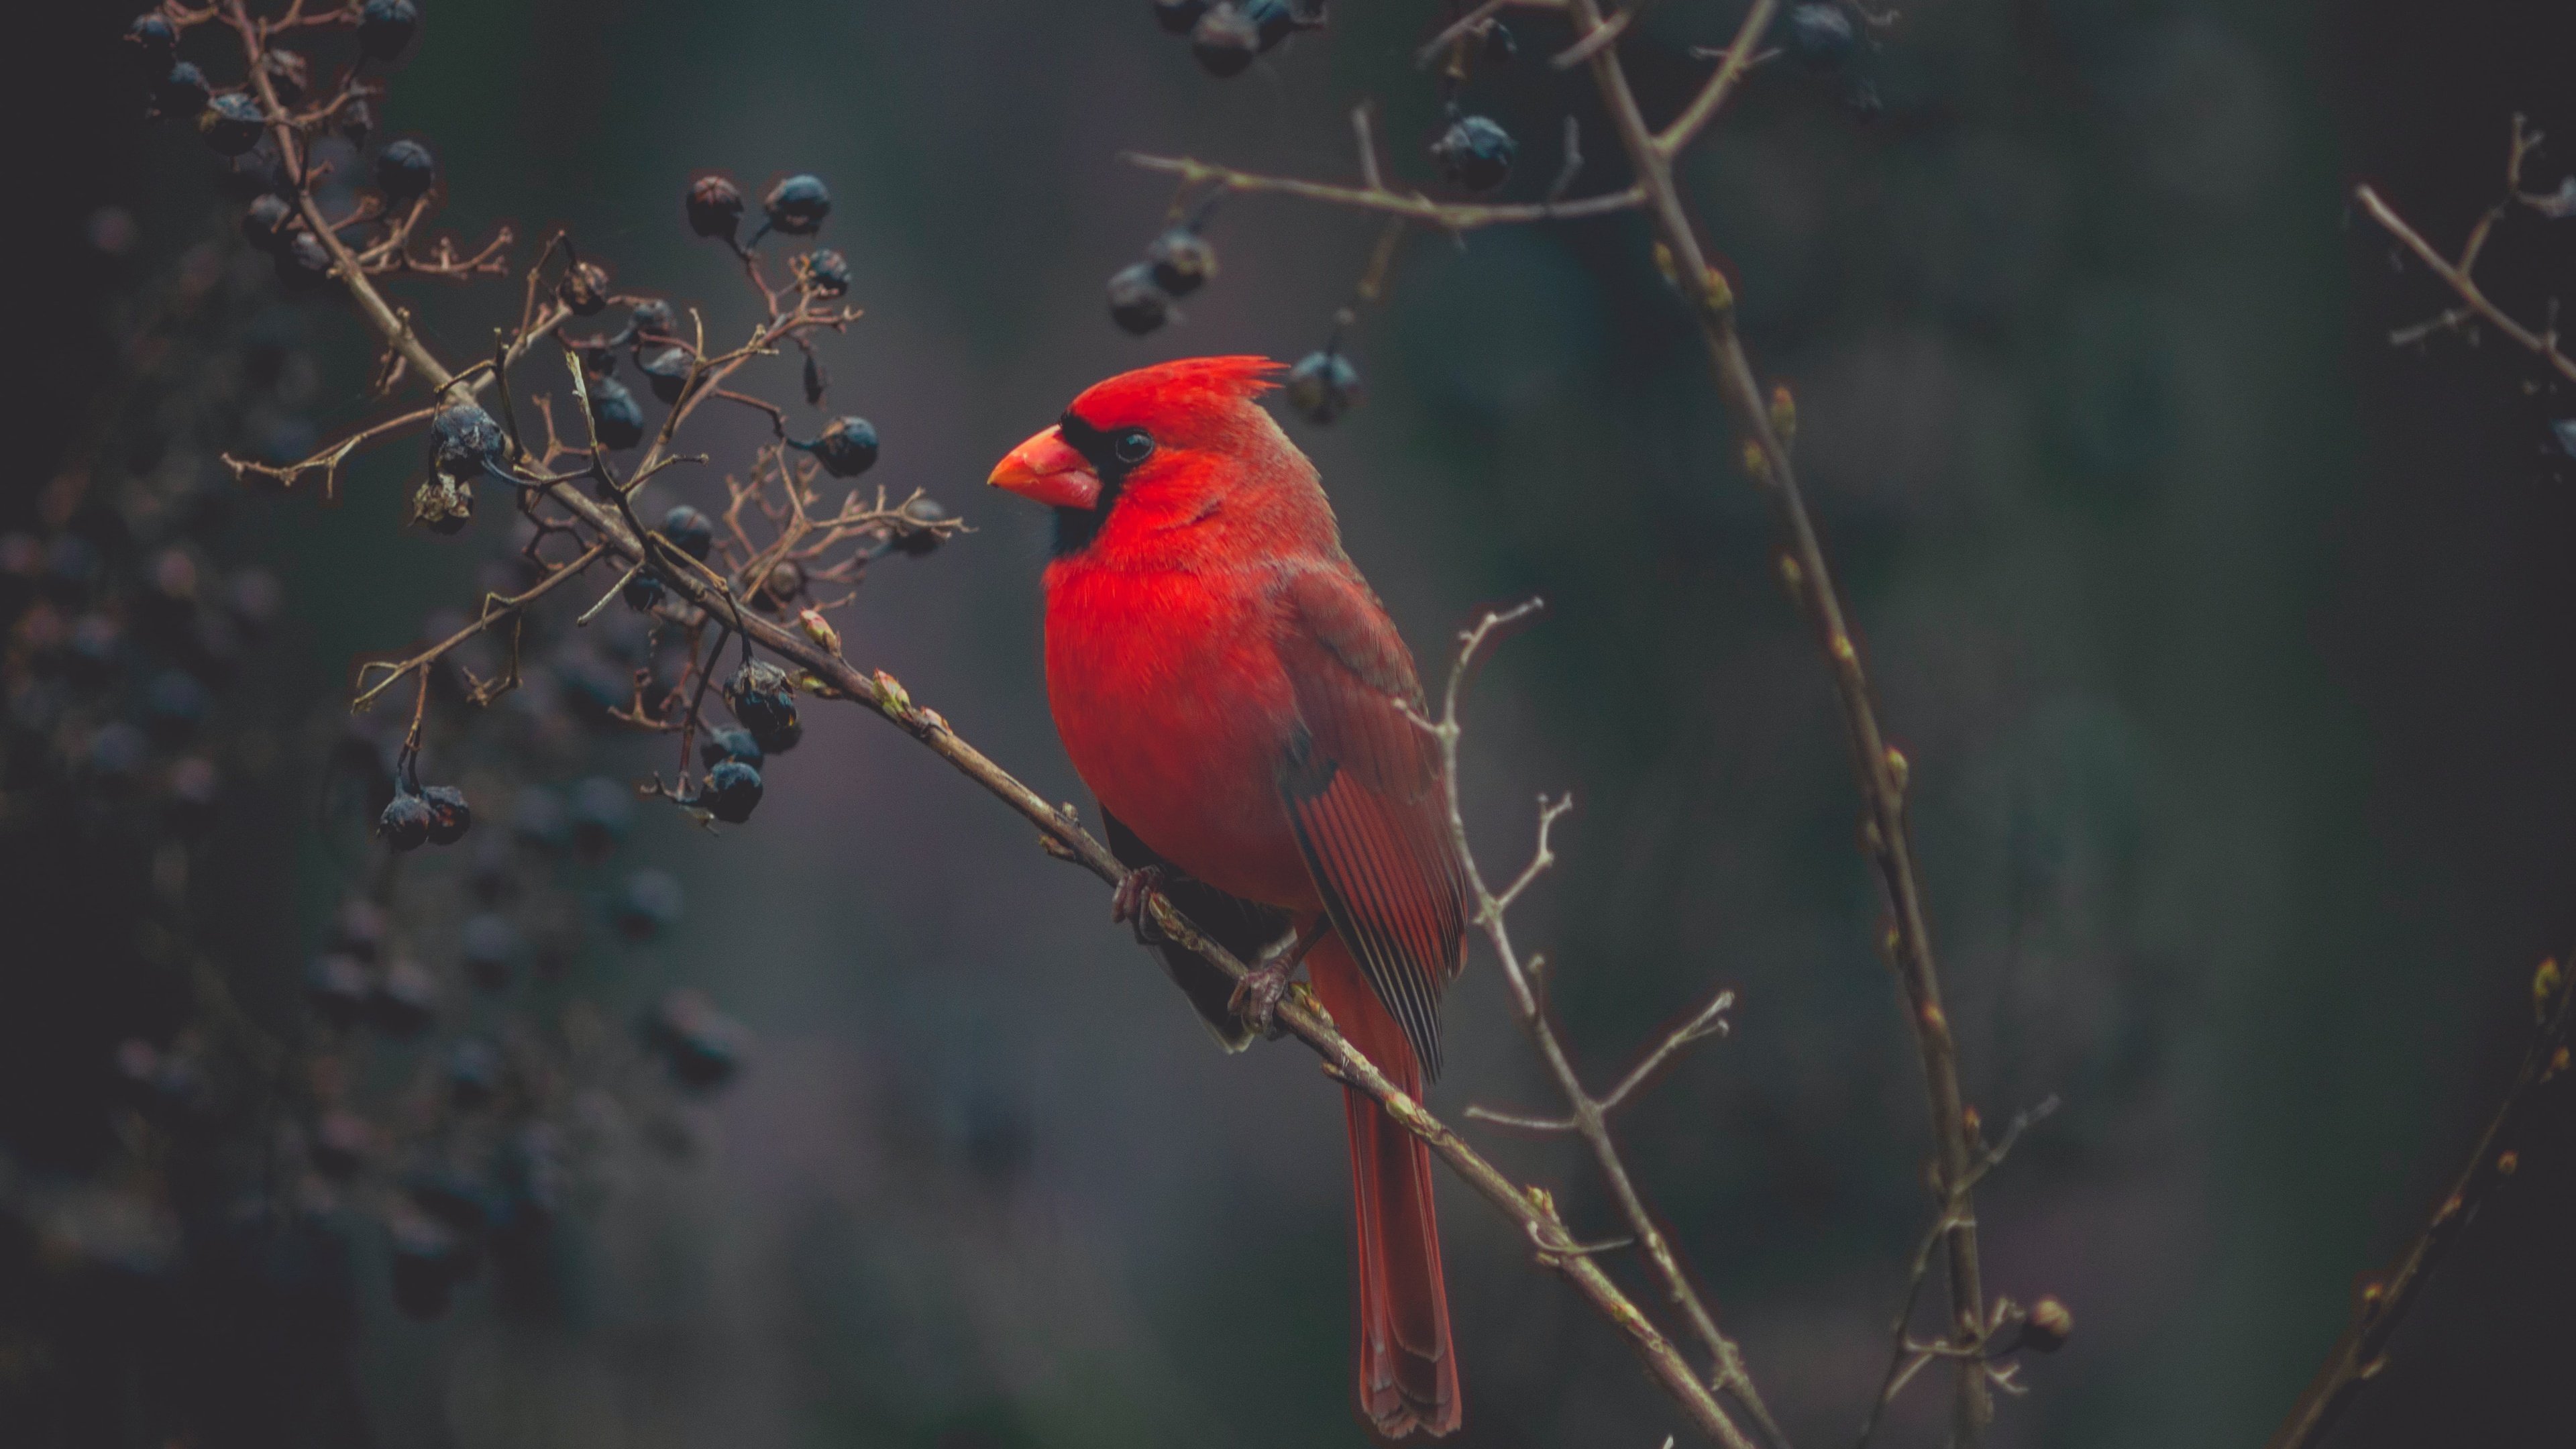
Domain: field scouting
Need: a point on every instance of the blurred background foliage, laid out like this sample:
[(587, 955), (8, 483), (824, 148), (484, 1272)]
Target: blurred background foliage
[(2229, 647)]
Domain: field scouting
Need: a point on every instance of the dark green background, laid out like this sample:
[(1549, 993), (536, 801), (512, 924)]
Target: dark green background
[(2228, 646)]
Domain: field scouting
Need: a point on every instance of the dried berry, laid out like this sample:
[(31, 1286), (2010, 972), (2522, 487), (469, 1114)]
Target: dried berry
[(464, 440), (921, 539), (1181, 260), (303, 262), (1475, 152), (289, 74), (267, 221), (1225, 40), (2048, 1327), (715, 207), (230, 124), (726, 743), (450, 816), (1323, 386), (689, 531), (761, 698), (642, 593), (181, 90), (732, 790), (490, 948), (1818, 35), (583, 290), (153, 42), (653, 317), (666, 371), (355, 122), (828, 273), (1272, 20), (797, 206), (406, 823), (1136, 303), (779, 587), (386, 28), (615, 415), (405, 171), (846, 447), (443, 505), (1177, 16), (647, 905)]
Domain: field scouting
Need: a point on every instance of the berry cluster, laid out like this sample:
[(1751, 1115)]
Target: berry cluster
[(1177, 262)]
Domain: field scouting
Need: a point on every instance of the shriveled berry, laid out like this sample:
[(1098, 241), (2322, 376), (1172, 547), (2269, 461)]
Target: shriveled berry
[(450, 816), (846, 447), (828, 273), (405, 1001), (653, 317), (1475, 152), (1136, 303), (761, 698), (583, 289), (727, 743), (732, 790), (779, 587), (464, 440), (386, 28), (689, 531), (442, 505), (1272, 20), (153, 42), (642, 593), (230, 124), (797, 206), (715, 207), (337, 987), (405, 171), (1181, 260), (1323, 386), (1225, 40), (1818, 35), (267, 221), (615, 414), (289, 74), (921, 539), (181, 90), (666, 371), (490, 948), (355, 122), (1177, 16), (303, 262), (406, 823), (648, 904)]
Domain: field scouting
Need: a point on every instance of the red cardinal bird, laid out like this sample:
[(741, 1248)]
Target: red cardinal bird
[(1234, 693)]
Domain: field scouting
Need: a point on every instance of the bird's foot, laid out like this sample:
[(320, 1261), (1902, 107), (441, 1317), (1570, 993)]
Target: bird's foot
[(1128, 903), (1256, 997)]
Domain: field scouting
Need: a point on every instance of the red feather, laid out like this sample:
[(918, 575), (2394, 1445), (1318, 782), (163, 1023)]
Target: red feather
[(1227, 684)]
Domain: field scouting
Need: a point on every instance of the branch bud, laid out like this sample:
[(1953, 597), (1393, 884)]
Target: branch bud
[(1665, 264), (819, 629), (1793, 577), (2048, 1327), (1757, 462), (1784, 416), (1898, 772), (2508, 1163), (2544, 989)]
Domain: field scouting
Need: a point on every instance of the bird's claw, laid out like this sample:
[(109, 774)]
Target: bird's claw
[(1129, 902), (1256, 997)]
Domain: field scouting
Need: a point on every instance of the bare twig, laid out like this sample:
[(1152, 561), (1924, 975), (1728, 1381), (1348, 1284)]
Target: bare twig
[(2460, 276), (1446, 215)]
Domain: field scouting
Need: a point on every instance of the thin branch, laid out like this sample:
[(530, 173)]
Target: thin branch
[(2362, 1352), (1704, 107), (1413, 206), (2458, 279)]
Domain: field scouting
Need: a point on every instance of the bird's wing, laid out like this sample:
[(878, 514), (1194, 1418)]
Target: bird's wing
[(1362, 785)]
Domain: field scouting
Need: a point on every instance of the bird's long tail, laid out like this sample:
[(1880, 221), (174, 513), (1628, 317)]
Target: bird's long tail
[(1408, 1368)]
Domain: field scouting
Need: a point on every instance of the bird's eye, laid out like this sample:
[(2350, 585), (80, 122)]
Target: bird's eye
[(1133, 446)]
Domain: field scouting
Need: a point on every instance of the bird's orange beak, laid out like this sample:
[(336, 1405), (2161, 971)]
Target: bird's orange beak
[(1047, 470)]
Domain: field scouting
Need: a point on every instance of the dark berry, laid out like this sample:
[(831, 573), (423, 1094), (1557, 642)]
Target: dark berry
[(797, 206), (405, 171), (406, 823), (1501, 47), (666, 371), (1323, 386), (181, 91), (289, 74), (846, 447), (338, 988), (921, 539), (267, 221), (1225, 40), (689, 531), (1475, 152), (1272, 20), (615, 414), (174, 704), (583, 290), (1177, 16), (153, 42), (490, 948), (643, 593), (647, 905), (303, 262), (732, 790), (405, 1001), (715, 207), (450, 816), (1181, 260), (538, 820), (761, 698), (828, 273), (779, 587), (602, 809), (355, 123), (1136, 303), (386, 28), (653, 317), (701, 1046), (464, 440), (230, 123), (1818, 35)]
